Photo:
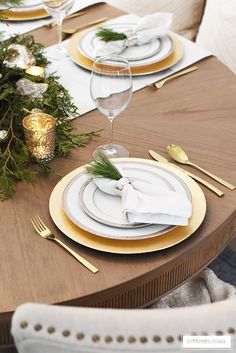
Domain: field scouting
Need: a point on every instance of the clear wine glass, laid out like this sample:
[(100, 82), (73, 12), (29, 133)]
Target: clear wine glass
[(111, 91), (58, 9)]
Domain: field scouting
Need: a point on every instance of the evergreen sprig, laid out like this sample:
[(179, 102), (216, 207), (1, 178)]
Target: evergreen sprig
[(101, 166), (14, 154), (108, 35)]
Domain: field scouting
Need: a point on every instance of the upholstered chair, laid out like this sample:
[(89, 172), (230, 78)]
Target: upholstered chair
[(39, 328)]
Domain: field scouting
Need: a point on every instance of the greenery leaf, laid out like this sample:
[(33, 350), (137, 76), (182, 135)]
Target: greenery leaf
[(101, 166), (108, 35)]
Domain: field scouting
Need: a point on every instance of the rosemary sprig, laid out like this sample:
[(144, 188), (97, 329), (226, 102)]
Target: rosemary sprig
[(101, 166), (108, 35)]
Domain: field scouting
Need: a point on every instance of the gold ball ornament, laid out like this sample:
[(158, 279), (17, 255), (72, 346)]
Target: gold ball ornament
[(19, 56)]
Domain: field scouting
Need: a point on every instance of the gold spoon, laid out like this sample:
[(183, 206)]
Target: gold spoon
[(176, 153), (88, 24)]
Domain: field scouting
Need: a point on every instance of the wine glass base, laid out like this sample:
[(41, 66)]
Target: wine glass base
[(112, 151)]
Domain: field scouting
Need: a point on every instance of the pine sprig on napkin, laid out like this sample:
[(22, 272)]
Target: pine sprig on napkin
[(108, 35), (101, 166)]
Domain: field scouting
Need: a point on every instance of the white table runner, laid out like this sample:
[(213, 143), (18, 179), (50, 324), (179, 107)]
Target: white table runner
[(22, 27), (76, 79)]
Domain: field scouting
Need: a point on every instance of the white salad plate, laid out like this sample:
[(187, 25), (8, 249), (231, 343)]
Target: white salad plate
[(143, 55), (108, 207)]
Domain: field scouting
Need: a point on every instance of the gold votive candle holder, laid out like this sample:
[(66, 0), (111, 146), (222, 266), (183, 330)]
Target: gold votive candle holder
[(36, 71), (39, 130)]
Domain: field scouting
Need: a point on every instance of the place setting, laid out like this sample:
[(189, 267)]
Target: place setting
[(145, 42), (93, 213)]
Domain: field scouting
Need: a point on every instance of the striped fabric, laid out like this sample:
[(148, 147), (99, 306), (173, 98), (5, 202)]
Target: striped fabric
[(187, 13), (218, 31)]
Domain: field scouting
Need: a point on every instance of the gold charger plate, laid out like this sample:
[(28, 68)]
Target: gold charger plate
[(160, 242), (26, 15), (86, 63)]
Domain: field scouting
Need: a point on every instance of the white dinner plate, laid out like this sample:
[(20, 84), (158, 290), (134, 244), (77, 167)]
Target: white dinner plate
[(103, 207), (143, 55), (132, 169)]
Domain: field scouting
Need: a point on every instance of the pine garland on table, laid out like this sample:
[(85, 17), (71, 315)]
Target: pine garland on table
[(56, 101)]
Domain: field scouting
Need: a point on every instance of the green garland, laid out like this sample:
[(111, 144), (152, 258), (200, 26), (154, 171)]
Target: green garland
[(14, 155)]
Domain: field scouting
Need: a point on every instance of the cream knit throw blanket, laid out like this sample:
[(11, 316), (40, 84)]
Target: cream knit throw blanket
[(205, 288)]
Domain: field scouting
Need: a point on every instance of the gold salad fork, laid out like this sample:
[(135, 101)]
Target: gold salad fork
[(161, 83), (45, 232)]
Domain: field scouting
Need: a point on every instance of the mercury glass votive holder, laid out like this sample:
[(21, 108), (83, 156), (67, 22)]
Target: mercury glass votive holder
[(39, 130)]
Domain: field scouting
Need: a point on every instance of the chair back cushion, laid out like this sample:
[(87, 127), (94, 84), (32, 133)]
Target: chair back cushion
[(38, 328), (217, 32)]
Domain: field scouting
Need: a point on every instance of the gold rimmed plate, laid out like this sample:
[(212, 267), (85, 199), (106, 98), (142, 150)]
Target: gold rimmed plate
[(160, 242), (101, 214), (169, 61), (26, 15)]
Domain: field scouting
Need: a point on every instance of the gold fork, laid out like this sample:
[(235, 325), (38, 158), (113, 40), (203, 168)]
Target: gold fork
[(161, 83), (45, 232)]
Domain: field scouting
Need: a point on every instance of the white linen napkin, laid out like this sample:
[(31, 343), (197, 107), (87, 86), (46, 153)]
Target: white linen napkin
[(143, 202), (148, 28)]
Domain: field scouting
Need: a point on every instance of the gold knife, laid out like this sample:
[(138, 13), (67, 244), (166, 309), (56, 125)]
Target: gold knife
[(159, 158)]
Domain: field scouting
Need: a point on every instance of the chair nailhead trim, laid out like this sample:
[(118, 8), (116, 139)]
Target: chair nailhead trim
[(131, 339), (120, 339), (66, 333), (156, 339), (143, 339), (219, 333), (51, 329), (108, 339), (231, 330), (95, 338), (24, 324), (169, 339), (37, 327), (80, 336)]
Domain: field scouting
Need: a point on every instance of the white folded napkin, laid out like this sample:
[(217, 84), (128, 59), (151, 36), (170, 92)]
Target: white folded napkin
[(148, 28), (143, 202)]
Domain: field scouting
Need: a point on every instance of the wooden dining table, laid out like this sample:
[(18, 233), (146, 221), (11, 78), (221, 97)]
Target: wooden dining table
[(197, 112)]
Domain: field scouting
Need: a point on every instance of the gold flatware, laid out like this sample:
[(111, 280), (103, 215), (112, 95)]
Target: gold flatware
[(88, 24), (159, 158), (178, 154), (76, 14), (45, 232), (161, 83)]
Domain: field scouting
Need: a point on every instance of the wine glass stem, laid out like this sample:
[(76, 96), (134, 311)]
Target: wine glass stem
[(111, 119), (59, 29)]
